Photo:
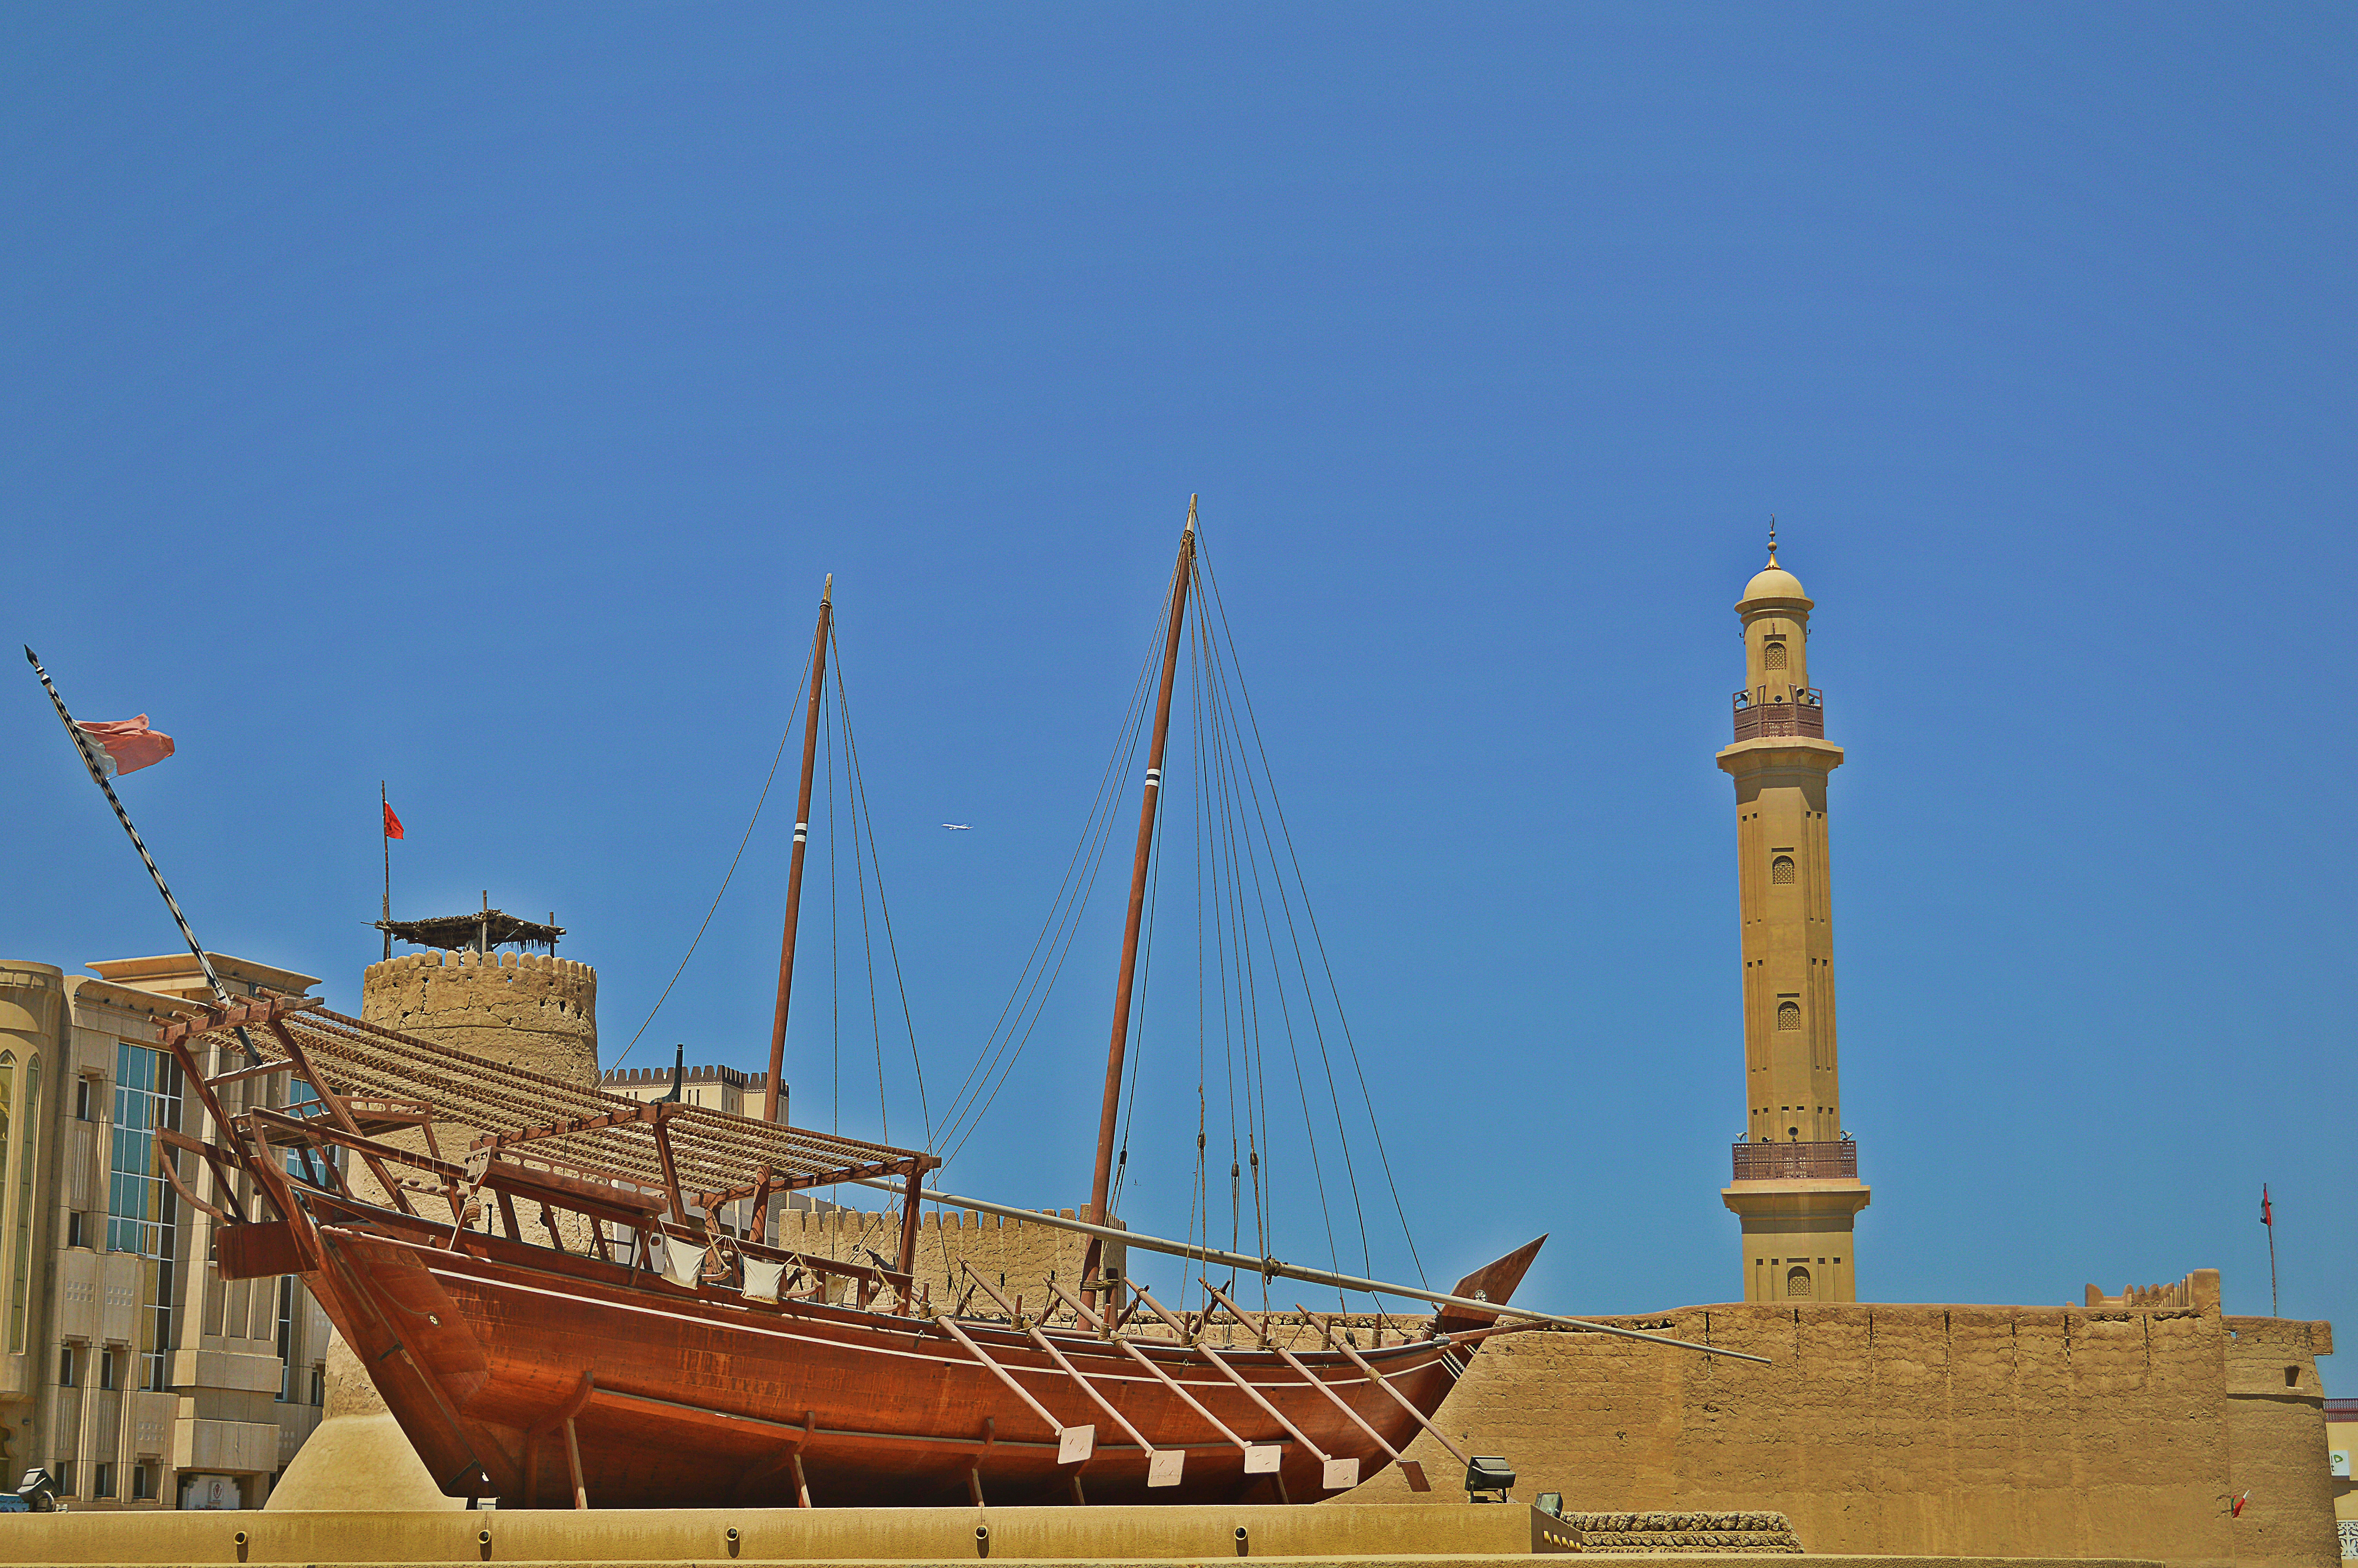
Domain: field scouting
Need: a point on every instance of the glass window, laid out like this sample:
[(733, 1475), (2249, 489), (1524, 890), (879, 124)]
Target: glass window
[(143, 1213), (106, 1478), (27, 1151), (65, 1366), (287, 1373)]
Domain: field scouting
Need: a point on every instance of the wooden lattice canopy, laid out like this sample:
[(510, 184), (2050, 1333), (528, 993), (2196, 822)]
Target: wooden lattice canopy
[(690, 1153)]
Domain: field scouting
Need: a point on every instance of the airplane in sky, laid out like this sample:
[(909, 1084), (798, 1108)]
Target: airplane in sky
[(959, 827)]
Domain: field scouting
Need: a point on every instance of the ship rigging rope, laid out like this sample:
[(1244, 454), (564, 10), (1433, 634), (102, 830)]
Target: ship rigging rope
[(1021, 1014), (1216, 603), (863, 821), (1244, 857), (1233, 841), (800, 687), (1285, 1009)]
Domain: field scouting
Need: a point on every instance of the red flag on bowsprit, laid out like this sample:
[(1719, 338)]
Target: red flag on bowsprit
[(2267, 1215), (392, 824)]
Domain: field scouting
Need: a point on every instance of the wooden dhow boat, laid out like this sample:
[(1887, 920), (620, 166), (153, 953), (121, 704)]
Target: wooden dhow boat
[(562, 1314)]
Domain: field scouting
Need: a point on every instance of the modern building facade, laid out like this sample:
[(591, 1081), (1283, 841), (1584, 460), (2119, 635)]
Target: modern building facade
[(128, 1369), (1795, 1186)]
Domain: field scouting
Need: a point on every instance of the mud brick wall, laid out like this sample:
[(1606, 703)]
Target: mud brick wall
[(2005, 1430)]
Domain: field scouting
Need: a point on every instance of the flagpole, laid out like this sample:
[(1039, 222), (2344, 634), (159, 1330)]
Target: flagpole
[(98, 776), (2268, 1218), (383, 827)]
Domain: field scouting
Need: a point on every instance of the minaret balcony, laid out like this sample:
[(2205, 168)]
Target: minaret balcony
[(1796, 1161), (1757, 716)]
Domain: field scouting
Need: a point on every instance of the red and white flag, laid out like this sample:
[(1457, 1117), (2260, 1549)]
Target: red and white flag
[(391, 823), (125, 745), (2267, 1212)]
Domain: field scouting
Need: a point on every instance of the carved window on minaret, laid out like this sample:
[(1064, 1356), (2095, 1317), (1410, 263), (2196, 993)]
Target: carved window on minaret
[(1780, 869), (1788, 1015), (1772, 657), (1797, 1283)]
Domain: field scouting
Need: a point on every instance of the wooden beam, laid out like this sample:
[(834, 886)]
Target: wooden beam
[(1243, 1384), (338, 1111), (949, 1326)]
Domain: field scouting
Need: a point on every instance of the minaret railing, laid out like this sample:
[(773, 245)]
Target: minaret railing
[(1758, 716), (1796, 1161)]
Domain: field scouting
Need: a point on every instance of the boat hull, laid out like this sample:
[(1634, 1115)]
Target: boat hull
[(688, 1399)]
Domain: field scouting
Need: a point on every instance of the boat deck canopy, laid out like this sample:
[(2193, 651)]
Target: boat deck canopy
[(523, 1117)]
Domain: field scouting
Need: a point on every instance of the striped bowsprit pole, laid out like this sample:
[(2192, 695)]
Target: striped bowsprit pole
[(98, 776)]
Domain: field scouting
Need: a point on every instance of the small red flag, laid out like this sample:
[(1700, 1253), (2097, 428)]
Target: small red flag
[(2267, 1215), (392, 824)]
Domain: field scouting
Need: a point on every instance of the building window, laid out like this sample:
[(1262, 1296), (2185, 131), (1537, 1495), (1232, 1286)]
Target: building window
[(142, 1214), (287, 1373), (105, 1482), (74, 1232), (1780, 869), (1788, 1015), (83, 1090), (20, 1116), (107, 1381), (319, 1387), (62, 1472), (65, 1366), (1797, 1283), (1772, 657), (142, 1483)]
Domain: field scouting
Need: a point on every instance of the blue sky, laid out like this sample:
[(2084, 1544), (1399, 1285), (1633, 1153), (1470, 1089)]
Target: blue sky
[(474, 400)]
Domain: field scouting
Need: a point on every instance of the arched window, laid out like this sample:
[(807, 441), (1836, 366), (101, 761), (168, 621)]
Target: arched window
[(1780, 869), (1797, 1283), (1788, 1015), (1772, 657)]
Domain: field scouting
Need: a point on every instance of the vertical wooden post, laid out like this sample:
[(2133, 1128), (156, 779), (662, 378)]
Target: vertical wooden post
[(909, 1219), (573, 1459), (1110, 1112), (794, 865)]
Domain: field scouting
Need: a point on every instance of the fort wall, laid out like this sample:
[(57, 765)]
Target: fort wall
[(1975, 1430), (529, 1010)]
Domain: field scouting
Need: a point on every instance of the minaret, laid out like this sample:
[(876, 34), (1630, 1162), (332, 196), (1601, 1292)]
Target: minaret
[(1796, 1182)]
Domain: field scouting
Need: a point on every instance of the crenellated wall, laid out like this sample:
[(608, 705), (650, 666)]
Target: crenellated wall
[(2001, 1430), (539, 1013)]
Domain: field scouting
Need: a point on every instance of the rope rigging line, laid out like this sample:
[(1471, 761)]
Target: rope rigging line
[(1137, 1028), (1310, 996), (1219, 606), (800, 687), (867, 946), (834, 947), (1019, 1017), (1086, 851), (1238, 784), (866, 816)]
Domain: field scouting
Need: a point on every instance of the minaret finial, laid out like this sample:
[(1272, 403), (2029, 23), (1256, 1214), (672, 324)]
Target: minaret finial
[(1772, 538)]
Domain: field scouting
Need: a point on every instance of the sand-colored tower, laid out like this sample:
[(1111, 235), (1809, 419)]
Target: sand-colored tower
[(1795, 1183)]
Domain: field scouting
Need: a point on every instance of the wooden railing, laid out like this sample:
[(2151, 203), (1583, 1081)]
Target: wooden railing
[(1805, 715), (1796, 1161)]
